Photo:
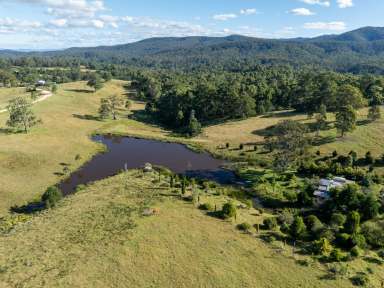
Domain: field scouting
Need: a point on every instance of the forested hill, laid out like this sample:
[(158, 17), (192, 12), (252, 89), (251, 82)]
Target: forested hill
[(359, 51)]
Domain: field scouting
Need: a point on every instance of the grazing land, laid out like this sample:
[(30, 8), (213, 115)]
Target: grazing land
[(179, 246), (7, 94), (33, 159)]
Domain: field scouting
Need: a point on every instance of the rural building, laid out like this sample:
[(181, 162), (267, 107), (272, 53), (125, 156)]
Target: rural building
[(41, 83), (326, 185)]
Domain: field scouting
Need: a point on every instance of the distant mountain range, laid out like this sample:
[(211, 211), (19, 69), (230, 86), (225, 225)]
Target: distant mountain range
[(358, 51)]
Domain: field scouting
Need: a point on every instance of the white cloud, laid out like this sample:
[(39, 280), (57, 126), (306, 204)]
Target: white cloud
[(98, 23), (224, 17), (250, 11), (336, 26), (145, 27), (59, 22), (302, 12), (66, 8), (345, 3), (14, 26), (324, 3)]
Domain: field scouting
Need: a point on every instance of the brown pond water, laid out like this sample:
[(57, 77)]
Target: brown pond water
[(129, 153)]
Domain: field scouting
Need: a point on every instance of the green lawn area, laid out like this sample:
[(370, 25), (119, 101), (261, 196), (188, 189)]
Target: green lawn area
[(97, 238)]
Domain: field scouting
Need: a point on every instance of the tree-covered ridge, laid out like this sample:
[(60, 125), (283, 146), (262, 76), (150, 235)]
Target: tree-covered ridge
[(359, 51)]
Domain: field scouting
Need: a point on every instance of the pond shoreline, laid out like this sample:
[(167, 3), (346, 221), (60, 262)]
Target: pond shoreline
[(179, 157)]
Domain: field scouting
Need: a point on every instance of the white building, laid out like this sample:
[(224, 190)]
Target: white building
[(325, 186), (41, 83)]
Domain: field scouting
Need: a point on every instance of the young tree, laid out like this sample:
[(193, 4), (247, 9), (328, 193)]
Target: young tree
[(51, 196), (21, 115), (34, 95), (349, 95), (346, 120), (95, 82), (298, 228), (110, 105), (321, 119), (54, 88), (194, 126), (290, 139), (375, 96), (352, 225)]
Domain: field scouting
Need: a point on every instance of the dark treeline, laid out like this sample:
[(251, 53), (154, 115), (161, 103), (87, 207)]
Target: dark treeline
[(227, 95)]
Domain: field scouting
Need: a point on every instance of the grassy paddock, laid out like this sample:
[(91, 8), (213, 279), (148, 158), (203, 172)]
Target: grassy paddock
[(7, 94), (180, 246), (28, 162)]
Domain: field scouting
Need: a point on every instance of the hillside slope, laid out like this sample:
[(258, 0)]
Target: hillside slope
[(96, 239)]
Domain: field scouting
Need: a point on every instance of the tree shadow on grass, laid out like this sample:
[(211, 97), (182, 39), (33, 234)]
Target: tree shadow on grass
[(87, 117), (30, 208), (319, 141), (8, 131), (282, 114), (363, 122), (144, 117), (266, 132), (80, 90)]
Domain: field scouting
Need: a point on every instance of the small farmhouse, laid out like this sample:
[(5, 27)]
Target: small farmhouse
[(326, 185), (40, 83)]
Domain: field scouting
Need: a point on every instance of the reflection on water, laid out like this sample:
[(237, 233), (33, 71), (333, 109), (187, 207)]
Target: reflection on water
[(129, 153)]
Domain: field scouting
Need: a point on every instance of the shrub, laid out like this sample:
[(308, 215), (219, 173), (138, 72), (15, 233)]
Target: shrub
[(343, 240), (352, 225), (314, 225), (270, 223), (244, 227), (356, 252), (298, 228), (51, 196), (338, 220), (80, 187), (286, 216), (206, 207), (241, 146), (373, 232), (360, 279), (380, 253), (358, 240), (337, 255), (229, 210), (369, 158), (334, 154), (322, 247)]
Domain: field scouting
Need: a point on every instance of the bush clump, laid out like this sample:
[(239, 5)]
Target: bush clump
[(206, 207), (360, 279), (244, 227), (356, 252), (51, 197), (270, 223), (337, 255), (229, 210)]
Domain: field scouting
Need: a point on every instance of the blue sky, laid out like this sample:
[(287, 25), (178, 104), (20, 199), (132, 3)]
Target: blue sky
[(52, 24)]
